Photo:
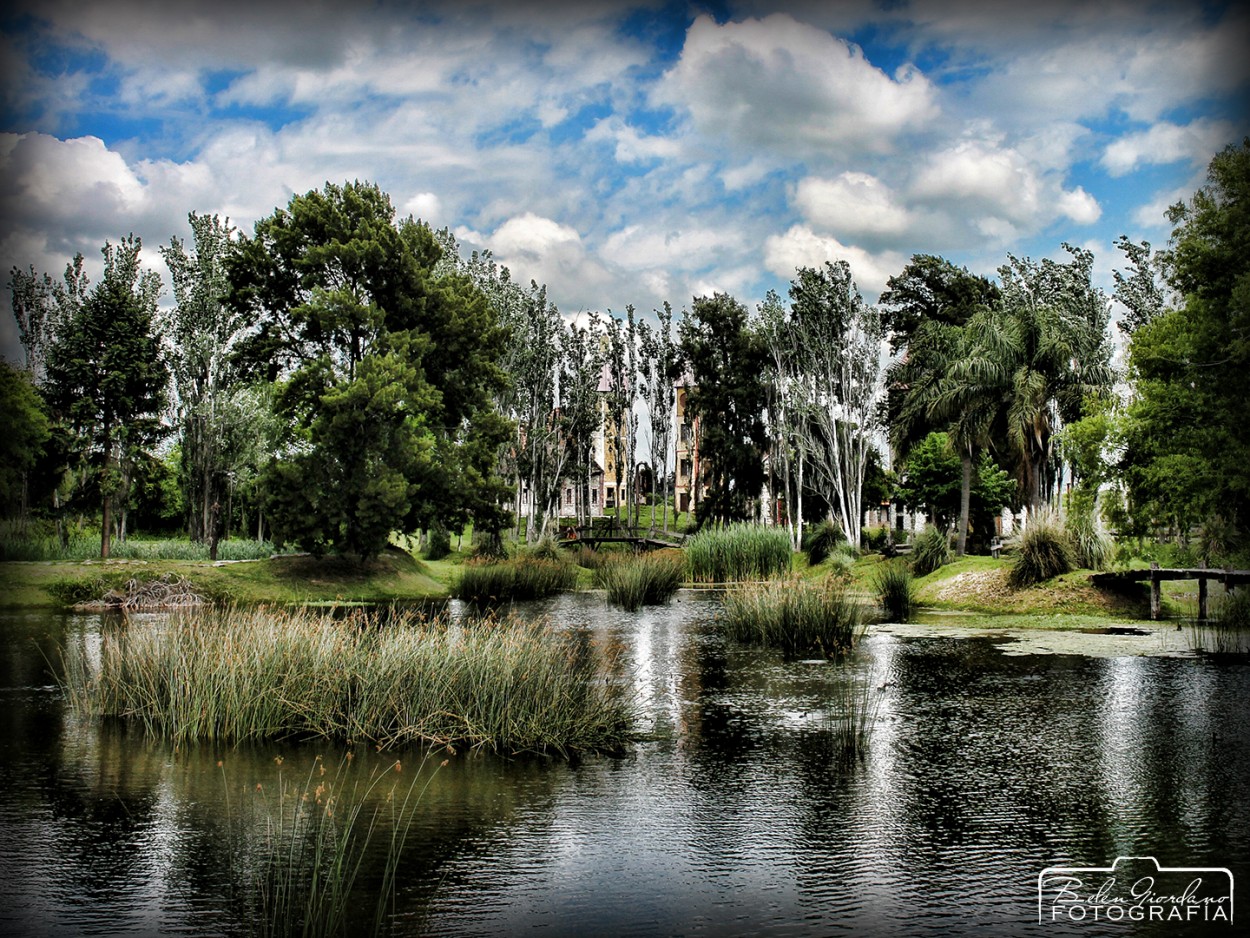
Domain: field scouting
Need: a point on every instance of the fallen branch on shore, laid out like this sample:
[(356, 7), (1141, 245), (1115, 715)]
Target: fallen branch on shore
[(166, 592)]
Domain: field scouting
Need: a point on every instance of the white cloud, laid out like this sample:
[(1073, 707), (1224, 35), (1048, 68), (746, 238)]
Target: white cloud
[(780, 86), (425, 206), (1166, 142), (1079, 206), (631, 146), (802, 247), (543, 250), (853, 204)]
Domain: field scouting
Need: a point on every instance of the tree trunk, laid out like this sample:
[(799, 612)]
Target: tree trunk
[(965, 500)]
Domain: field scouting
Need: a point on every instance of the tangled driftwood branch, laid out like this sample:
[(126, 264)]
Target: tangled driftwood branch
[(162, 593)]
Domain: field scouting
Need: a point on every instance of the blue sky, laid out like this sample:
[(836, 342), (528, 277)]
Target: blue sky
[(624, 153)]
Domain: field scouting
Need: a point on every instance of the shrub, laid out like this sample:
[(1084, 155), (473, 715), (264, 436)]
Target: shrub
[(737, 552), (820, 540), (545, 548), (895, 590), (1045, 551), (931, 550), (1091, 548), (877, 539), (798, 616), (437, 543), (519, 579), (634, 581)]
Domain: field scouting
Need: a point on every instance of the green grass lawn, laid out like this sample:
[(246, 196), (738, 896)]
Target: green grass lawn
[(395, 576)]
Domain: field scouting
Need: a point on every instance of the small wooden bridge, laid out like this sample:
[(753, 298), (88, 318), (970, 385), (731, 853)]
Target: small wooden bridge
[(636, 541), (1156, 575)]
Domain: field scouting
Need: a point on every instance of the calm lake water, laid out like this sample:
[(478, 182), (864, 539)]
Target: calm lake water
[(733, 818)]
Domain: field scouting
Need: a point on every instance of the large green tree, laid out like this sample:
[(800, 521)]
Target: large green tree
[(107, 377), (217, 427), (1043, 351), (728, 362), (1187, 448), (23, 433), (386, 372)]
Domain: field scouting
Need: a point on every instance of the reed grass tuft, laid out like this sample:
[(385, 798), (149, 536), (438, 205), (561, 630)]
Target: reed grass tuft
[(1045, 551), (637, 580), (737, 553), (932, 549), (521, 578), (316, 844), (246, 674), (896, 591), (821, 540), (800, 617)]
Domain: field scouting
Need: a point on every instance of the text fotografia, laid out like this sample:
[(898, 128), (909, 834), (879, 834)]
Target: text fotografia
[(1135, 889)]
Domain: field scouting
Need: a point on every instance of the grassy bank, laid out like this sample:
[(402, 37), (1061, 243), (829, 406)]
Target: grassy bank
[(980, 585), (395, 576)]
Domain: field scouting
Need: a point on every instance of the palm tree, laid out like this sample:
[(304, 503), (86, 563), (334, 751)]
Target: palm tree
[(950, 382), (1042, 351)]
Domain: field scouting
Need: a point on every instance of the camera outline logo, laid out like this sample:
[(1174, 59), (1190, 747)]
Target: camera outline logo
[(1135, 889)]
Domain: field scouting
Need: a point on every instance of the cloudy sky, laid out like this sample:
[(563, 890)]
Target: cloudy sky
[(624, 152)]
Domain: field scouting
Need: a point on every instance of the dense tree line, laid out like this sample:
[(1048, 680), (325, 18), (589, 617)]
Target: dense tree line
[(340, 374)]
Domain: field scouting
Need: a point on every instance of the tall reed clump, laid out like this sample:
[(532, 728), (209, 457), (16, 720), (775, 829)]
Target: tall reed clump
[(932, 549), (637, 580), (1227, 631), (821, 540), (1045, 551), (1091, 547), (800, 617), (310, 869), (849, 719), (737, 552), (521, 578), (235, 674), (896, 591)]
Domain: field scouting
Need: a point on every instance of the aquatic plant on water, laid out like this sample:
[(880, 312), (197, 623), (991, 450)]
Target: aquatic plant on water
[(521, 578), (737, 553), (238, 674), (307, 843), (851, 713), (1227, 630), (800, 617), (636, 580), (895, 590)]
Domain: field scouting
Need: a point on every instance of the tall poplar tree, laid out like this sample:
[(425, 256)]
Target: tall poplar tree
[(106, 377)]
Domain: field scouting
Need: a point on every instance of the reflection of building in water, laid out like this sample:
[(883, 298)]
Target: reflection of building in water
[(688, 488)]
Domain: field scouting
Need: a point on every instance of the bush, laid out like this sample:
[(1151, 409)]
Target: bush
[(800, 617), (877, 539), (896, 591), (820, 540), (931, 550), (634, 581), (736, 553), (1091, 548), (519, 579), (437, 543), (1045, 551)]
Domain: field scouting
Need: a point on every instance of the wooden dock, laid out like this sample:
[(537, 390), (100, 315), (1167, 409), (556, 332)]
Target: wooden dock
[(1156, 575)]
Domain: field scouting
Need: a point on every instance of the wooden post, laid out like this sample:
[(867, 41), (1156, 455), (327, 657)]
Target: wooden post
[(1156, 600), (1202, 599)]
